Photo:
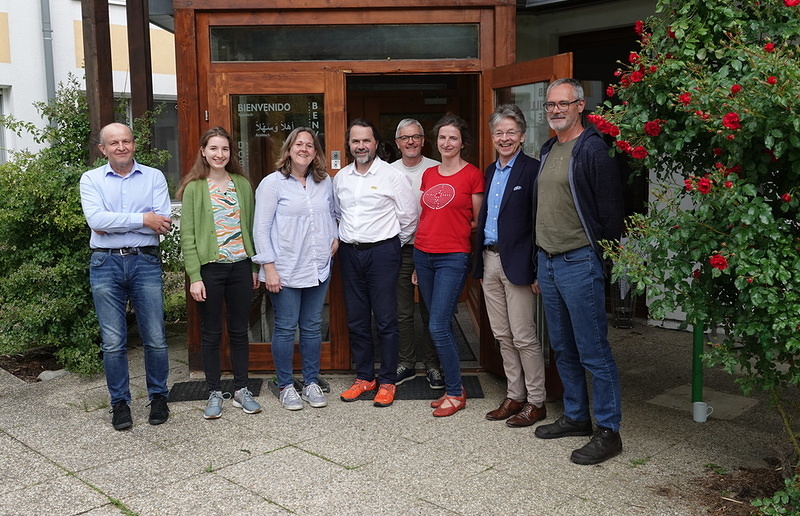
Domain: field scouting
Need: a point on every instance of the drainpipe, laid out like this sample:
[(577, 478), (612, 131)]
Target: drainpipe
[(47, 38)]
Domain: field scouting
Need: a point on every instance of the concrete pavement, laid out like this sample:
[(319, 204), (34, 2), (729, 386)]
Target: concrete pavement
[(60, 455)]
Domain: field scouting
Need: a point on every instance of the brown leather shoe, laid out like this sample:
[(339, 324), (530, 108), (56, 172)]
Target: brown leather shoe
[(529, 414), (506, 409)]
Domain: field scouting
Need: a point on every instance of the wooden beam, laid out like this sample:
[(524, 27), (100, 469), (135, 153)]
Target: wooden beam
[(141, 69), (97, 63)]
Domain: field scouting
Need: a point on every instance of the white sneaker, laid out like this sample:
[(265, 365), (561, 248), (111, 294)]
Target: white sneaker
[(290, 399), (312, 393)]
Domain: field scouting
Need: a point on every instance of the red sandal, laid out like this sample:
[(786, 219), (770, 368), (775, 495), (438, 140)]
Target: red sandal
[(449, 405)]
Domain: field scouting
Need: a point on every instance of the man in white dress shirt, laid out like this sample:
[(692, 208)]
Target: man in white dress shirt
[(377, 213)]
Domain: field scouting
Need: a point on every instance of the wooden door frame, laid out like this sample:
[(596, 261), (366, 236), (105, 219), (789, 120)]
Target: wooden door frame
[(195, 73)]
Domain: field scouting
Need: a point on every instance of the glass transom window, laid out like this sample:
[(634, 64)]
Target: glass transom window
[(345, 42)]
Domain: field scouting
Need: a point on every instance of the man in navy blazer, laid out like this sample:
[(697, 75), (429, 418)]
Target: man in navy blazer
[(505, 266)]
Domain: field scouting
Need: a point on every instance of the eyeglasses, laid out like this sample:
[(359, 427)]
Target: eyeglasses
[(510, 134), (562, 106), (412, 137)]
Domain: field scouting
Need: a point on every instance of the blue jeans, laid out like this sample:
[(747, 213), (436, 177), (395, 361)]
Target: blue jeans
[(369, 279), (231, 283), (293, 307), (115, 279), (441, 278), (573, 292)]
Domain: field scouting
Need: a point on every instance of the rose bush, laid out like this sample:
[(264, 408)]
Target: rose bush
[(713, 116)]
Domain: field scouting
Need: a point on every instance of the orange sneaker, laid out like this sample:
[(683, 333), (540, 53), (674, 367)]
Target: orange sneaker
[(385, 396), (358, 388), (451, 404)]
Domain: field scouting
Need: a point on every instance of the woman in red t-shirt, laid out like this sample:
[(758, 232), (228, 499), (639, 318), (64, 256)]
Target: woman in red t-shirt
[(452, 195)]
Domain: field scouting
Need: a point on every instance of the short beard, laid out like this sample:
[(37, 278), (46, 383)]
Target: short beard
[(363, 160)]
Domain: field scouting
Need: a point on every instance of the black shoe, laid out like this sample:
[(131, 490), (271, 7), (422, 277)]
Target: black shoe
[(159, 411), (563, 427), (121, 418), (605, 444)]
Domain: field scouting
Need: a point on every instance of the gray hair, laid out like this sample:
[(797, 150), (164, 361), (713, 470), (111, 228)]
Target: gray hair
[(405, 123), (511, 111), (577, 87)]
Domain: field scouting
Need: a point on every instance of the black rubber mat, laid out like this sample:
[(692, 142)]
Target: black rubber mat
[(198, 390), (418, 389)]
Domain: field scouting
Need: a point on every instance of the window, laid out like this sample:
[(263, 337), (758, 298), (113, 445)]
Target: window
[(345, 42)]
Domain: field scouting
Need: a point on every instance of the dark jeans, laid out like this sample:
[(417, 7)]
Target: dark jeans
[(231, 283), (441, 278), (573, 292), (369, 277)]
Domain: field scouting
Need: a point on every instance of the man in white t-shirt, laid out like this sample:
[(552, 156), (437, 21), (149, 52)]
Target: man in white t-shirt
[(410, 138)]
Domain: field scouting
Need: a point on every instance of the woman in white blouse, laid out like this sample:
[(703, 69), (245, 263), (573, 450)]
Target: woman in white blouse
[(296, 237)]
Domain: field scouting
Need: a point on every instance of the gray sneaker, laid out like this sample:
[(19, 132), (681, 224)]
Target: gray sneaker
[(290, 399), (243, 399), (312, 393), (214, 405)]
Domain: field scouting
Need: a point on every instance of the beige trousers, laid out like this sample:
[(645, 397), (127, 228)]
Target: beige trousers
[(510, 308)]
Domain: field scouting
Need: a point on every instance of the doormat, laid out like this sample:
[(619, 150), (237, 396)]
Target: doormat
[(418, 389), (196, 390)]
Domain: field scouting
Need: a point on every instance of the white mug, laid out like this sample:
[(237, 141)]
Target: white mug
[(701, 411)]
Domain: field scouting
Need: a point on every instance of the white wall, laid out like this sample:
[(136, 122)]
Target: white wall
[(537, 34), (23, 79)]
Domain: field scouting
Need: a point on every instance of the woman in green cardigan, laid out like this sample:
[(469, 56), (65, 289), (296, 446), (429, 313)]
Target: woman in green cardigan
[(217, 243)]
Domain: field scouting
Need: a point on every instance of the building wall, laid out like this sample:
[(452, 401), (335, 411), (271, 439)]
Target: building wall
[(537, 34), (22, 61)]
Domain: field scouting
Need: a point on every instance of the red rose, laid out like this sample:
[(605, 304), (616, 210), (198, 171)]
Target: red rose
[(728, 184), (750, 280), (718, 262), (704, 185), (730, 137), (731, 121), (735, 89), (639, 152), (653, 68), (769, 47), (791, 3), (733, 170), (633, 58), (786, 197), (670, 33), (625, 81), (772, 157), (717, 151), (772, 79), (624, 146), (639, 27), (610, 91), (696, 273), (652, 128), (689, 185), (636, 76), (613, 130)]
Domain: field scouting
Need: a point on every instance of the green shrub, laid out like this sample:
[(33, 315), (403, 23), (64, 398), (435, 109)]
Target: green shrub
[(783, 502), (45, 298)]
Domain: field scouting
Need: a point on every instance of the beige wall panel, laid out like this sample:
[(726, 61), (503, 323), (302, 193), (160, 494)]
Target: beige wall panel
[(162, 51)]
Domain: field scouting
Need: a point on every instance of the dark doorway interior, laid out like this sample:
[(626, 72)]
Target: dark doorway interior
[(386, 99)]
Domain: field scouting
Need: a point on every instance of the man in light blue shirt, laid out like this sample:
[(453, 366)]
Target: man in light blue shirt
[(127, 207)]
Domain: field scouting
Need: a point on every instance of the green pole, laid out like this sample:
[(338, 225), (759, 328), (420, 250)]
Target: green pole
[(697, 362)]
